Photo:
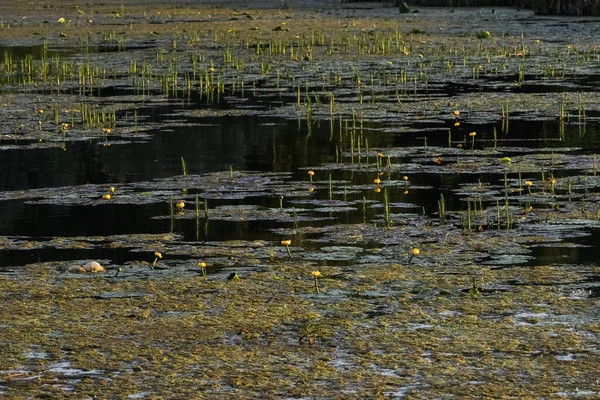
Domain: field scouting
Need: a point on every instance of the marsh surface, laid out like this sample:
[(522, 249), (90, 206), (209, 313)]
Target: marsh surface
[(355, 132)]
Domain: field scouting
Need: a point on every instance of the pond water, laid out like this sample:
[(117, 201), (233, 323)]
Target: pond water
[(446, 187), (251, 143)]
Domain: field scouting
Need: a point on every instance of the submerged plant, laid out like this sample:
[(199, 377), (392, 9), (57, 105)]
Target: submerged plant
[(157, 256), (316, 275)]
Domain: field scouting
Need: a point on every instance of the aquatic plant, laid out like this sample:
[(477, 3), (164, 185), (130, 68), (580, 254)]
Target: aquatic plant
[(472, 135), (474, 292), (483, 35), (106, 196), (202, 266), (183, 167), (528, 184), (402, 7), (310, 330), (233, 277), (310, 176), (414, 252), (157, 256), (442, 208), (316, 275), (287, 244), (179, 206)]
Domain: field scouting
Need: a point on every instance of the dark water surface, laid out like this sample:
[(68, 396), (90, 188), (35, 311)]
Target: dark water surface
[(246, 143)]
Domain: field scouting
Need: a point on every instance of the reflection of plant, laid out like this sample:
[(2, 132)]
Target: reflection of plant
[(287, 244), (456, 115), (316, 275), (157, 256)]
